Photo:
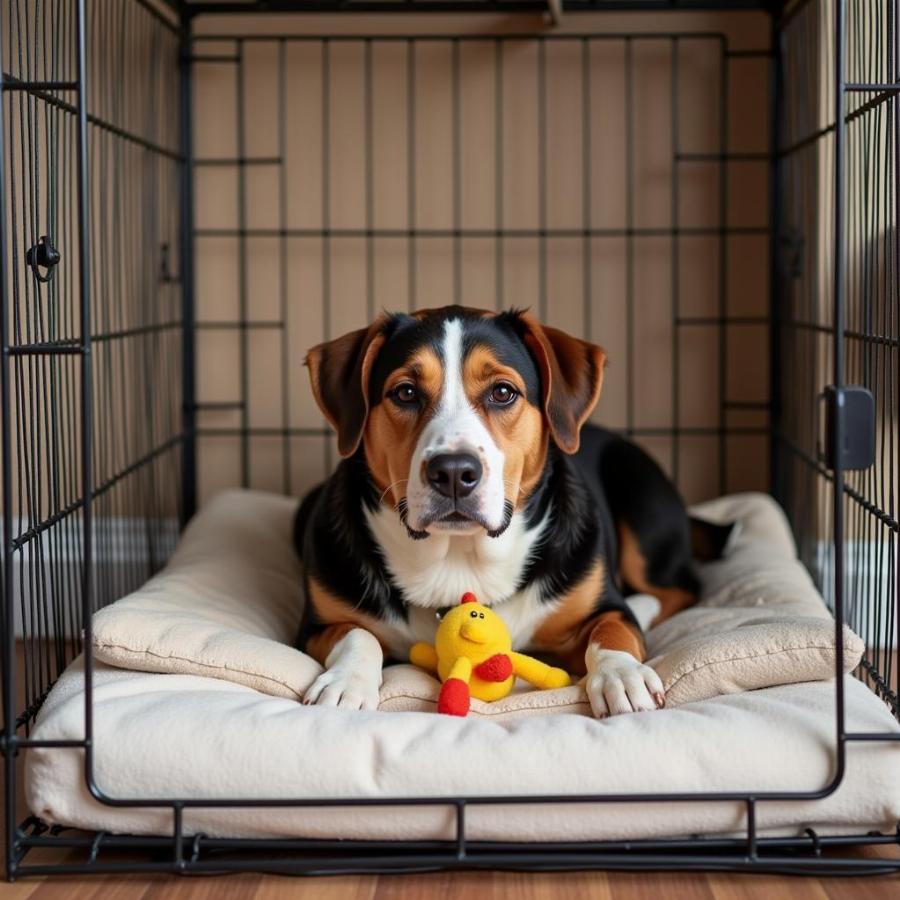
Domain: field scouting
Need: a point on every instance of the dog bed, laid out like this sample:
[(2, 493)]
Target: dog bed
[(196, 696)]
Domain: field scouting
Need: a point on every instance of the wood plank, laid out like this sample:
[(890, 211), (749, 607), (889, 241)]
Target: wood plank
[(872, 888), (19, 890), (337, 887), (764, 887), (495, 886), (213, 887), (102, 887), (551, 885), (659, 886)]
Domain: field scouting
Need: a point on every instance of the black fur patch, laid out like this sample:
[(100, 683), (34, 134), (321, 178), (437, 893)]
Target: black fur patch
[(570, 544), (337, 547)]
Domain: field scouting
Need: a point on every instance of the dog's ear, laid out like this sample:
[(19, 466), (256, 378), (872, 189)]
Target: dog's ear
[(339, 371), (571, 375)]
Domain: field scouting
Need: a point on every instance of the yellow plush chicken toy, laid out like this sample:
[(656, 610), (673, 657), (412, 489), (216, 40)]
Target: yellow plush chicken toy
[(473, 657)]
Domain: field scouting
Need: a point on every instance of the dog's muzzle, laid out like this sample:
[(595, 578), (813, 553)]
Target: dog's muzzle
[(451, 513)]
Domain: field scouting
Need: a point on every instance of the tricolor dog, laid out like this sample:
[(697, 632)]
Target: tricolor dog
[(467, 466)]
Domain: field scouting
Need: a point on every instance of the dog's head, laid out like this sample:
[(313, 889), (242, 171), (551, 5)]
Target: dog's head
[(455, 409)]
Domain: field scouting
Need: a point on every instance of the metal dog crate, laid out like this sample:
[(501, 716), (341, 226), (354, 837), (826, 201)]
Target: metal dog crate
[(109, 233)]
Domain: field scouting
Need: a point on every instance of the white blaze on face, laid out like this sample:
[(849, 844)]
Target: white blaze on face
[(456, 428)]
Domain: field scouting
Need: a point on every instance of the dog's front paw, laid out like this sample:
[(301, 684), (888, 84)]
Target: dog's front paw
[(346, 689), (617, 683)]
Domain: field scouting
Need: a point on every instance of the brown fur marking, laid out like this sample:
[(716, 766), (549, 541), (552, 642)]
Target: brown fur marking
[(572, 375), (633, 571), (339, 374), (321, 644), (337, 614), (612, 631), (564, 631), (391, 434)]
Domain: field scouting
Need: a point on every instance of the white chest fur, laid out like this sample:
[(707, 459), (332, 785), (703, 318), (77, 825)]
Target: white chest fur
[(435, 572)]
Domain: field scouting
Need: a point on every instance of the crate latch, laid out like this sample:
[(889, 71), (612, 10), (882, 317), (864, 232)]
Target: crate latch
[(43, 256), (856, 407)]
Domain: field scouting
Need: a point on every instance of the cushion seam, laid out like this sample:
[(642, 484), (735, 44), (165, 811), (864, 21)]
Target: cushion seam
[(433, 702), (195, 662), (715, 662)]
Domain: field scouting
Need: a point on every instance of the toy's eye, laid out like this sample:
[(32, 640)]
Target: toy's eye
[(405, 394), (481, 615), (473, 614), (502, 394)]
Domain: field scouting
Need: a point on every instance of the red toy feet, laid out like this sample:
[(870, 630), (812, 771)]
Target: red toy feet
[(453, 699)]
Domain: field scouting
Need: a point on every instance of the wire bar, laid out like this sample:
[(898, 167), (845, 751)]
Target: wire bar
[(456, 233)]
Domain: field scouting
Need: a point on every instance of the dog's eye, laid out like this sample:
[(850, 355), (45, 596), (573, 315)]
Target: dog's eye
[(405, 394), (502, 394)]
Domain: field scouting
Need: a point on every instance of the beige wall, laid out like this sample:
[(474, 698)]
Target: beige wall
[(571, 302)]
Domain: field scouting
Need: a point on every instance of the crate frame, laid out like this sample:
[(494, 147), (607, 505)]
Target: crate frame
[(181, 853)]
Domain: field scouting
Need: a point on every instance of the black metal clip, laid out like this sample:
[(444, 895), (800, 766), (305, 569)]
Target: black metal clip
[(812, 834), (99, 837), (853, 407), (195, 846), (43, 255)]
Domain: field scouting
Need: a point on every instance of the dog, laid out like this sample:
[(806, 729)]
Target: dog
[(467, 466)]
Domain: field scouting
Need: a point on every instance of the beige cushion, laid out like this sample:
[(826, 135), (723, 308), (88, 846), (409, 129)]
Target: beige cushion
[(186, 736), (160, 735), (228, 606)]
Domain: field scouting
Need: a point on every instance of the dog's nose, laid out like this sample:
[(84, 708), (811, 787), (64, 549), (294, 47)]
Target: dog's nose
[(455, 475)]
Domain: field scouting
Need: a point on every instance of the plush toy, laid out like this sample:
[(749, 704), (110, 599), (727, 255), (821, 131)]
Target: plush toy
[(473, 657)]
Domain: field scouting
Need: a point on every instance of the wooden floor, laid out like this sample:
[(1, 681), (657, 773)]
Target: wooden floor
[(469, 885), (449, 886)]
